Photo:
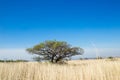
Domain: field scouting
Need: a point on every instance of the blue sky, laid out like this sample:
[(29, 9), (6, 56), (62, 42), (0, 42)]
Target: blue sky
[(91, 24)]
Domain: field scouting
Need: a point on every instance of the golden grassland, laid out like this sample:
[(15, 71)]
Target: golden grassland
[(74, 70)]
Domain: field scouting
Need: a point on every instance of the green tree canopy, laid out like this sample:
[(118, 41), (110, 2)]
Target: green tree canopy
[(55, 51)]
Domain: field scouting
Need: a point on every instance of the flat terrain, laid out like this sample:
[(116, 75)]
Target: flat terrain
[(74, 70)]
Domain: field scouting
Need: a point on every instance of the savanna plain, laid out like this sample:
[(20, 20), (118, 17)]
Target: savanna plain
[(103, 69)]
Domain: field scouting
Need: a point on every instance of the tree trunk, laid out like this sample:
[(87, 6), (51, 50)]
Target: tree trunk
[(52, 59)]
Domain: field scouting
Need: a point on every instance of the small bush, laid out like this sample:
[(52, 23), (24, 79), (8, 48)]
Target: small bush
[(99, 57), (13, 61), (112, 58)]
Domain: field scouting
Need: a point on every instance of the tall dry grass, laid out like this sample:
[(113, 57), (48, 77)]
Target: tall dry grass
[(75, 70)]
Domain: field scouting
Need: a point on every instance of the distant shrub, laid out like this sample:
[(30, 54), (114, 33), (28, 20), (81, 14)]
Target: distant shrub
[(99, 57), (112, 58), (86, 58), (13, 61), (81, 59), (21, 61), (1, 60)]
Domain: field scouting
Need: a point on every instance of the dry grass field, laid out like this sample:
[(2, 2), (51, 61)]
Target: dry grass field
[(74, 70)]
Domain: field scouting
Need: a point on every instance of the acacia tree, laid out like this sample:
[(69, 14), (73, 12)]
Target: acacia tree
[(55, 51)]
